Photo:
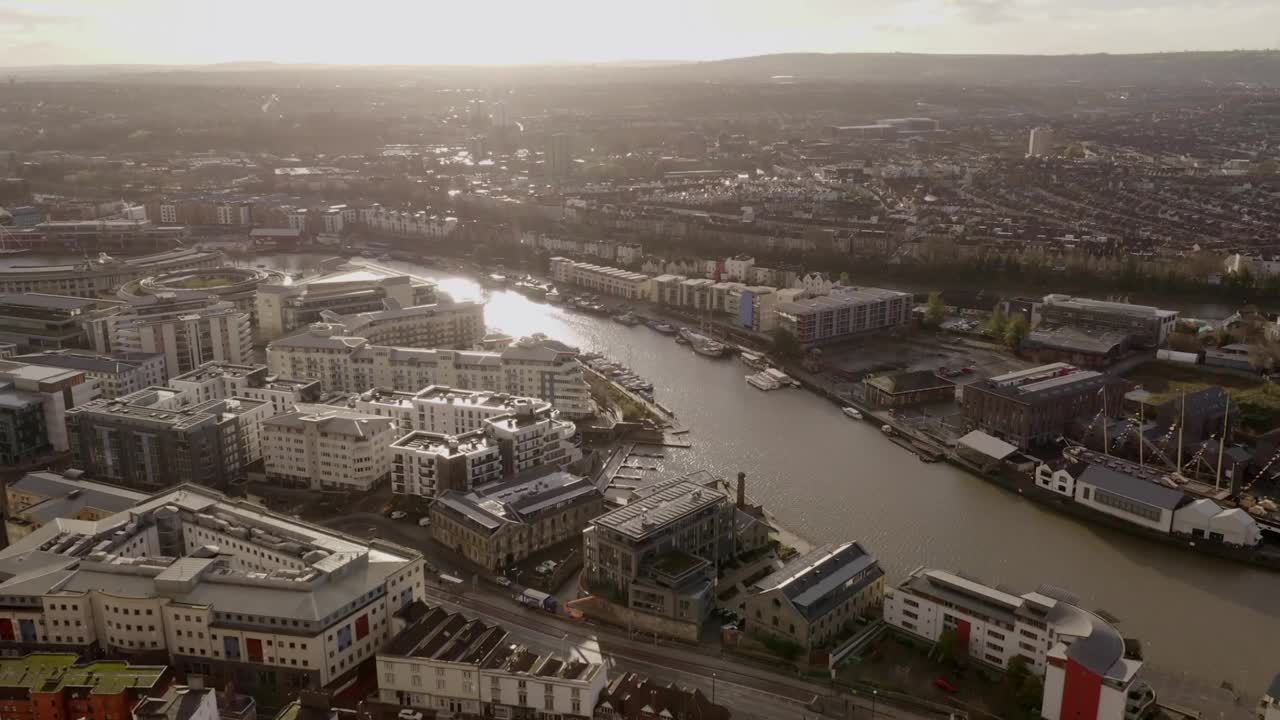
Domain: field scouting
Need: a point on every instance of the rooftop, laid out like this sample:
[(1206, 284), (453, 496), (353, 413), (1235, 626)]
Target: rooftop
[(66, 496), (823, 578), (664, 503), (842, 297), (88, 360), (1105, 306), (329, 572), (48, 302), (1134, 488), (49, 673)]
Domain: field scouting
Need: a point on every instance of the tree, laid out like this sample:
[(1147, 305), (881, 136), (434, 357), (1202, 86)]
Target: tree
[(999, 322), (784, 343), (1031, 695), (936, 311), (949, 646), (1016, 331)]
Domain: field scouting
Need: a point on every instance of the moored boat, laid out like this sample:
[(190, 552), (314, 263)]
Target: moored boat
[(851, 412)]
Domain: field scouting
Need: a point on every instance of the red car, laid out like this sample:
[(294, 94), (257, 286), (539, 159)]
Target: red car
[(945, 685)]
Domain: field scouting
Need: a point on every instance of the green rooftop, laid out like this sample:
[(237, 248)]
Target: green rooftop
[(45, 672)]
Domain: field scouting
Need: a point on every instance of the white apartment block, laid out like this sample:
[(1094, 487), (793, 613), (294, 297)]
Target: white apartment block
[(1080, 655), (407, 222), (351, 364), (117, 375), (426, 464), (222, 587), (320, 447), (187, 330), (458, 439), (601, 279), (219, 381), (445, 410), (452, 665)]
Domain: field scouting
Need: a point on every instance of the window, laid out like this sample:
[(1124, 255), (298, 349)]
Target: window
[(996, 635), (1125, 505), (995, 659), (910, 603), (908, 613)]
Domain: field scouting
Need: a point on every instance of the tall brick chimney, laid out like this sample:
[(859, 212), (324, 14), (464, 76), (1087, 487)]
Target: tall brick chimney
[(742, 490)]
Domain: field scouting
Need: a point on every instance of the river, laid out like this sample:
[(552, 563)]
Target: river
[(831, 479)]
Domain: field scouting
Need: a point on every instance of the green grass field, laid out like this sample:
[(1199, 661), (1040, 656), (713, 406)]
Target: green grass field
[(1259, 399)]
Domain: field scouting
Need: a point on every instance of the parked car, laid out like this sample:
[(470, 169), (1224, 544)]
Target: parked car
[(424, 521), (503, 581), (399, 515), (945, 685)]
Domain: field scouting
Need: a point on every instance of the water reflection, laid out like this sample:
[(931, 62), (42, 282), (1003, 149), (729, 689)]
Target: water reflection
[(832, 479)]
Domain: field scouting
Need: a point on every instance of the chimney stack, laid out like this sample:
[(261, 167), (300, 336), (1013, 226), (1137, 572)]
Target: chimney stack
[(742, 490)]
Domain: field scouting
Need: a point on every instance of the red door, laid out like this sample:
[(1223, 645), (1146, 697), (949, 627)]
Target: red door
[(255, 649), (962, 630), (6, 629)]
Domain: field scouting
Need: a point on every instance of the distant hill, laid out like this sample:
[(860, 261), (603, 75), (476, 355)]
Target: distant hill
[(1182, 68), (1260, 67)]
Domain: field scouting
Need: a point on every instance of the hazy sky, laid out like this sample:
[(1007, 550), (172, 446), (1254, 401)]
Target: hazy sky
[(34, 32)]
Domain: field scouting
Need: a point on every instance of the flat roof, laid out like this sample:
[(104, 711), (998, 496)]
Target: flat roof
[(52, 302), (47, 672), (988, 445), (1139, 489), (663, 504)]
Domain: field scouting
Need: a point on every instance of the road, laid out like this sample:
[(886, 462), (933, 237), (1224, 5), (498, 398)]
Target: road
[(750, 692)]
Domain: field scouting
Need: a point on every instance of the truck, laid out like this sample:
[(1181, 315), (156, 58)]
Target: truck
[(537, 600)]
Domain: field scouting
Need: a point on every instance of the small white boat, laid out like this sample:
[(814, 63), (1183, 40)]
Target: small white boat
[(886, 429), (851, 412), (762, 381)]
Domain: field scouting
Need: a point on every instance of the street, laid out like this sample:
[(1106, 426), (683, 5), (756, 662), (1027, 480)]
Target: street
[(748, 691)]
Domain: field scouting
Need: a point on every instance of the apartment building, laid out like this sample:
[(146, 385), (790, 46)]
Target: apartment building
[(843, 313), (500, 525), (602, 280), (340, 288), (188, 328), (407, 222), (451, 665), (815, 596), (213, 586), (427, 464), (460, 439), (532, 368), (34, 402), (40, 321), (117, 374), (1149, 326), (220, 381), (153, 438), (56, 686), (1080, 655), (448, 325), (38, 498), (1028, 408), (320, 447), (662, 549)]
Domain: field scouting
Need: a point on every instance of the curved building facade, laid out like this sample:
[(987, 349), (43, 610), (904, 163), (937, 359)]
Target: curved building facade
[(101, 276)]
